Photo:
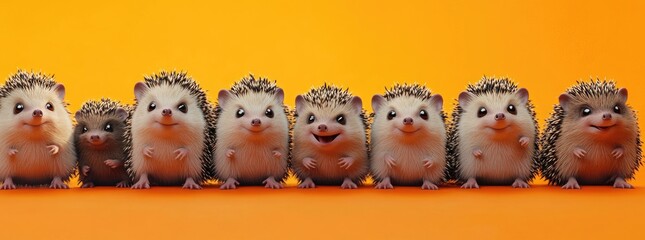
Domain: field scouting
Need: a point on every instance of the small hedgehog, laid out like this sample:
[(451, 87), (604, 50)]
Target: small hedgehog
[(170, 134), (253, 134), (330, 146), (408, 137), (592, 138), (98, 138), (493, 135), (36, 135)]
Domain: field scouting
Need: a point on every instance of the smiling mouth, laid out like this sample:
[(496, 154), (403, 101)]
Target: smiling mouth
[(167, 124), (601, 128), (499, 129), (35, 125), (326, 139), (408, 132)]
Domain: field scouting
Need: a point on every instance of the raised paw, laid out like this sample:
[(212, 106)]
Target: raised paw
[(427, 185), (123, 184), (470, 184), (13, 152), (477, 153), (428, 163), (307, 183), (57, 183), (579, 153), (85, 170), (113, 163), (87, 185), (618, 153), (390, 161), (272, 183), (229, 184), (148, 151), (181, 153), (524, 141), (571, 184), (8, 184), (621, 183), (309, 163), (191, 184), (277, 155), (230, 154), (348, 184), (384, 184), (346, 162), (519, 183), (53, 149)]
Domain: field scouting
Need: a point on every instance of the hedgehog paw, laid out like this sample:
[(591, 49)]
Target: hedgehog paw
[(230, 183), (580, 153), (621, 183), (309, 163), (53, 149), (85, 170), (8, 184), (428, 163), (307, 183), (123, 184), (143, 183), (87, 185), (230, 154), (390, 161), (618, 152), (113, 163), (272, 183), (571, 184), (181, 153), (427, 185), (191, 184), (519, 183), (13, 152), (148, 151), (477, 153), (384, 184), (348, 184), (524, 141), (346, 162), (57, 183), (277, 154), (470, 184)]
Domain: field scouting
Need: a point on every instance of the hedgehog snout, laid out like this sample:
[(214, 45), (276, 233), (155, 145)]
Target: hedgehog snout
[(95, 137), (322, 128), (256, 122), (166, 112), (606, 116), (500, 116), (408, 121), (37, 113)]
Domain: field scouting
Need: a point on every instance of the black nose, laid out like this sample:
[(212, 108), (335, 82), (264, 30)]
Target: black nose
[(256, 122), (500, 116), (37, 113), (606, 116), (95, 137), (322, 128), (166, 112), (408, 121)]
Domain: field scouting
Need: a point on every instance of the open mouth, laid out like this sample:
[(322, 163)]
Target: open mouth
[(601, 128), (326, 139)]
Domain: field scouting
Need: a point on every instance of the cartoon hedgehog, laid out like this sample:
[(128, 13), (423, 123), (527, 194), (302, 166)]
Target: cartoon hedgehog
[(171, 133), (98, 137), (492, 138), (253, 134), (36, 136), (408, 137), (592, 137), (330, 146)]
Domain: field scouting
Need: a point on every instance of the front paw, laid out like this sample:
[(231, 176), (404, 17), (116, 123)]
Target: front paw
[(524, 141), (181, 153), (477, 153), (148, 151), (277, 154), (85, 170), (618, 153), (309, 163), (53, 149), (390, 161), (428, 163), (579, 153), (13, 152), (346, 162), (113, 163), (230, 154)]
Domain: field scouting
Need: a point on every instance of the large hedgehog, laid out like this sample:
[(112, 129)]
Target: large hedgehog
[(329, 142), (493, 135), (171, 133), (98, 137), (36, 137), (408, 134), (253, 143), (592, 137)]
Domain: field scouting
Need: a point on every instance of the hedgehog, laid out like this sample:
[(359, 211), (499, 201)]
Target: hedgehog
[(408, 137), (253, 142), (170, 134), (99, 142), (493, 136), (37, 132), (592, 137), (329, 142)]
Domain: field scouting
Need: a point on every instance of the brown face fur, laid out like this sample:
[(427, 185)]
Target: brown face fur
[(100, 132)]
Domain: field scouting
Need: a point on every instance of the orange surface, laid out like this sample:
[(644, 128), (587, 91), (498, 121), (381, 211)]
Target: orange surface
[(102, 48)]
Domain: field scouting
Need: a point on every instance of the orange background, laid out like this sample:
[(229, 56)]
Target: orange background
[(101, 49)]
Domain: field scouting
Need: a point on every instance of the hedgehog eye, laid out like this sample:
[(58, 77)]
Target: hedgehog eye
[(311, 119), (423, 114), (108, 128), (239, 113), (84, 130), (268, 113), (152, 106), (49, 106), (511, 109), (617, 109), (586, 111), (18, 108), (391, 115), (182, 107), (482, 112), (341, 119)]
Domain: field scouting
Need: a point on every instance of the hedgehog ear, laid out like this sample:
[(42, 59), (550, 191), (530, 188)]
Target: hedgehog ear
[(279, 95), (60, 91), (565, 99), (139, 90), (77, 115), (523, 95), (357, 104), (300, 103), (377, 102), (623, 94), (121, 113), (223, 97), (436, 101), (465, 98)]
